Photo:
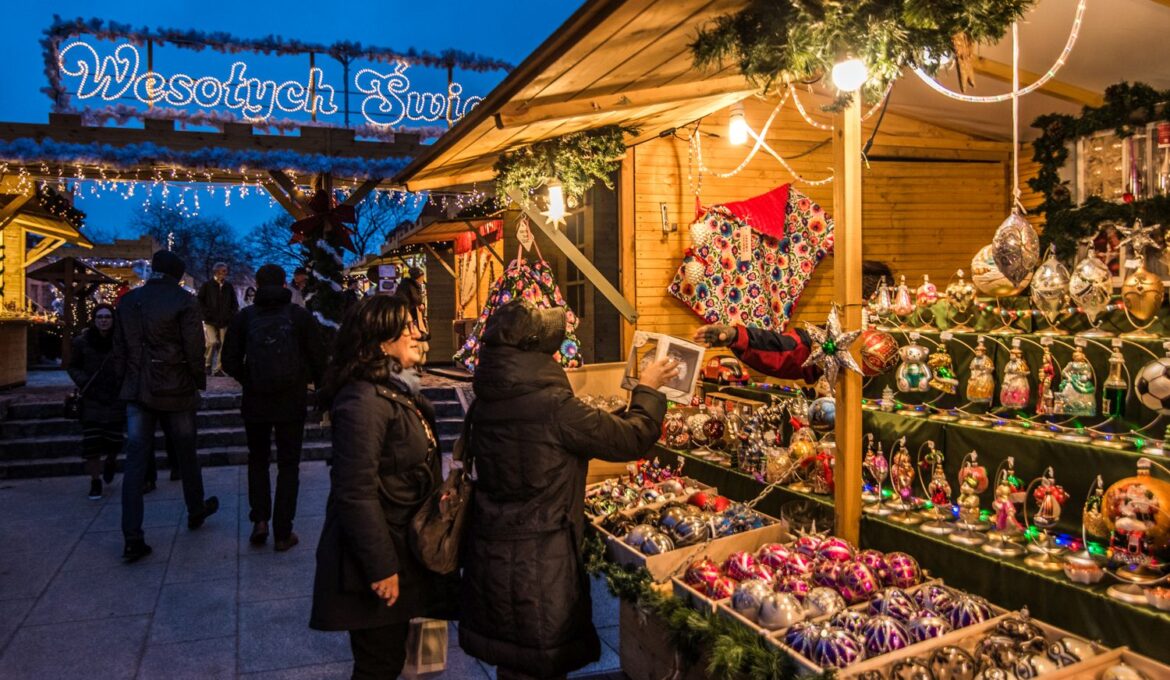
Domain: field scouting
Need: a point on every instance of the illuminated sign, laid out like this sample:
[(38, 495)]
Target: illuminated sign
[(388, 100)]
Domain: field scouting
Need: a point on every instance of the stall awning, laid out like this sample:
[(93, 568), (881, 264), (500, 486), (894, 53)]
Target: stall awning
[(442, 231)]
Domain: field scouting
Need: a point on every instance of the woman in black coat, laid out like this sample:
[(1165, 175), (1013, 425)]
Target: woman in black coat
[(385, 462), (526, 603), (103, 414)]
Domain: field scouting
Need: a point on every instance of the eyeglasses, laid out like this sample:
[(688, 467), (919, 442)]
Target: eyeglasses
[(104, 316)]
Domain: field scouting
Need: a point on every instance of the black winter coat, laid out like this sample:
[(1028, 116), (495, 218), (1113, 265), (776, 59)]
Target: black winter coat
[(384, 466), (158, 346), (526, 603), (266, 405), (218, 303), (92, 364)]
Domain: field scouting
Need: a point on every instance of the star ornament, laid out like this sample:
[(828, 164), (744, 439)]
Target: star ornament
[(1138, 238), (831, 348)]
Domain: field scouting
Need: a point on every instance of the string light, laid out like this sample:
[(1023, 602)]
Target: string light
[(556, 203), (1016, 91), (737, 128), (849, 75)]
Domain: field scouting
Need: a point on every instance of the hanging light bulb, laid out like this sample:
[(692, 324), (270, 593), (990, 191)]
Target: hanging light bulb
[(737, 127), (849, 75), (556, 203)]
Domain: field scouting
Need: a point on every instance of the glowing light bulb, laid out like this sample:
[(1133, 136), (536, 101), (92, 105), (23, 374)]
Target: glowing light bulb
[(556, 203), (737, 127), (850, 75)]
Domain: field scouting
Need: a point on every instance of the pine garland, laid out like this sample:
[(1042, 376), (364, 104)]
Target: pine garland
[(577, 160), (735, 651), (778, 41), (1127, 109)]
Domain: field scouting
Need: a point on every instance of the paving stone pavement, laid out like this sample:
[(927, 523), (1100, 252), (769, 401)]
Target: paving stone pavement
[(205, 605)]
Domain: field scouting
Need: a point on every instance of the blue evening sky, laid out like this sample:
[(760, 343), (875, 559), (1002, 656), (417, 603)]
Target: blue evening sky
[(504, 29)]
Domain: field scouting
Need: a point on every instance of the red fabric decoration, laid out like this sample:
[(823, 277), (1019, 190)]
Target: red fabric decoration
[(766, 213), (489, 231)]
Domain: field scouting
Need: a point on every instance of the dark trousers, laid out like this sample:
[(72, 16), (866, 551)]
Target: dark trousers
[(289, 436), (379, 653), (509, 674), (179, 428)]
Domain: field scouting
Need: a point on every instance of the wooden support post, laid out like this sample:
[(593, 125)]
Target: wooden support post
[(435, 254), (284, 182), (362, 191), (847, 292), (482, 242), (10, 211), (578, 258), (47, 245)]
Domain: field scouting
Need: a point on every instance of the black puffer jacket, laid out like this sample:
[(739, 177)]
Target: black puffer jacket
[(158, 346), (382, 471), (218, 303), (525, 594), (91, 364)]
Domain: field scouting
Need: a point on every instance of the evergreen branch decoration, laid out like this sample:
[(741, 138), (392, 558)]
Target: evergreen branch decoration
[(577, 160), (775, 42), (735, 651), (1126, 110)]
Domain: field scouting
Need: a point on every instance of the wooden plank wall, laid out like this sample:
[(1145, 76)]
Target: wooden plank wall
[(932, 198)]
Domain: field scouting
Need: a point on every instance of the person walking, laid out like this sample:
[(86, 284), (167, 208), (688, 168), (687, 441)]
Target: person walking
[(526, 601), (103, 414), (386, 462), (274, 349), (299, 286), (158, 360), (218, 303)]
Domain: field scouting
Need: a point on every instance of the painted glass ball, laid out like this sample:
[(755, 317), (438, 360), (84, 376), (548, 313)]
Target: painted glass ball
[(701, 573), (690, 530), (835, 549), (968, 610), (748, 597), (617, 524), (849, 619), (670, 517), (721, 588), (927, 626), (822, 414), (1019, 627), (671, 488), (884, 634), (876, 561), (935, 598), (762, 572), (837, 648), (1070, 650), (879, 352), (774, 555), (657, 543), (807, 545), (823, 602), (825, 573), (797, 585), (1153, 385), (1033, 666), (798, 565), (904, 571), (856, 582), (637, 534), (780, 610), (996, 651), (1122, 671), (648, 516), (739, 565), (893, 602), (951, 661), (803, 636)]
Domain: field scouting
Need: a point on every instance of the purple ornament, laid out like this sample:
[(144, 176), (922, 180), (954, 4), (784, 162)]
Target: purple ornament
[(893, 602), (968, 610), (884, 634), (927, 626), (807, 545), (849, 619), (798, 565), (803, 636), (797, 585), (856, 582), (835, 549), (825, 573), (774, 555), (936, 598), (739, 565), (876, 561), (837, 648), (904, 570), (762, 572)]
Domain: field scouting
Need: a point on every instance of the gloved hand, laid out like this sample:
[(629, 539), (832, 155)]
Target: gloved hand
[(716, 335)]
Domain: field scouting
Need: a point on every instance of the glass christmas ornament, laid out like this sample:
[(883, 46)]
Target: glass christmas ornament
[(823, 601), (1142, 290), (968, 610), (780, 610), (926, 294), (903, 304), (972, 482), (883, 303), (888, 402), (1050, 287), (830, 348), (1005, 526), (874, 464), (657, 543), (1091, 285), (960, 293), (1045, 376), (884, 634), (748, 597), (822, 414), (913, 373), (1153, 384), (1116, 388), (981, 380), (1076, 395), (1015, 391), (1049, 497), (893, 602), (904, 571), (857, 582), (942, 371), (1137, 512), (939, 490), (696, 426), (1015, 248), (935, 598), (902, 480), (849, 619), (879, 352), (987, 277)]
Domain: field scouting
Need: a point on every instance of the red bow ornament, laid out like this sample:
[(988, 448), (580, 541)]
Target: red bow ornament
[(328, 216)]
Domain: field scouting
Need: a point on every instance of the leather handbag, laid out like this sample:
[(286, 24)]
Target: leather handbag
[(437, 528), (73, 400)]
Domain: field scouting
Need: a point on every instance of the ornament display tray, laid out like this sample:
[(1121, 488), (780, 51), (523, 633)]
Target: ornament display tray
[(691, 486), (1093, 668), (667, 565)]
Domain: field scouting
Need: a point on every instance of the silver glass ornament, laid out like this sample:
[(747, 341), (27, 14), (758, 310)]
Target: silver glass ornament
[(657, 543), (637, 535), (1050, 287), (748, 597), (780, 610), (823, 602), (1015, 248), (1091, 285)]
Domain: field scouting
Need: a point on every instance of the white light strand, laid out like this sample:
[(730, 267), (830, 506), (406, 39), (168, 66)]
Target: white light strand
[(821, 126), (1016, 91)]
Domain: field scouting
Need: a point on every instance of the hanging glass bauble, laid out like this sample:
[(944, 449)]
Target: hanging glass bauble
[(1091, 285), (987, 277), (1137, 510), (903, 304), (1050, 287), (1142, 293), (960, 293), (1153, 386), (943, 369), (1016, 249), (927, 293), (1076, 395), (822, 414), (913, 374), (882, 303), (879, 352)]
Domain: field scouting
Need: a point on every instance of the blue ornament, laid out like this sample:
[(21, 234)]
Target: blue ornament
[(822, 414)]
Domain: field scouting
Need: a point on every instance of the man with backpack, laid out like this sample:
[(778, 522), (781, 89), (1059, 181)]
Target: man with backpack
[(274, 349)]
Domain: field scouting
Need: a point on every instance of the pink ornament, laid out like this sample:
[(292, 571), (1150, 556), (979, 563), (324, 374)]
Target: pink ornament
[(798, 565), (739, 565), (701, 573), (774, 555), (807, 545), (835, 549), (857, 582), (904, 570), (876, 561), (721, 588), (825, 573), (762, 572), (796, 585)]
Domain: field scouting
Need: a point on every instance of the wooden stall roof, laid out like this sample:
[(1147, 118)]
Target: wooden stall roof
[(613, 62), (438, 231), (58, 270)]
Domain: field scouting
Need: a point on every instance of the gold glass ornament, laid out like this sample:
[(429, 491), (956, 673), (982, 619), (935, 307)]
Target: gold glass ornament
[(1142, 290), (989, 280), (981, 383), (961, 295)]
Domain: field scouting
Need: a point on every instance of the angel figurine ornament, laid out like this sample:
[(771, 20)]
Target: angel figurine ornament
[(1006, 529), (1049, 497), (902, 480)]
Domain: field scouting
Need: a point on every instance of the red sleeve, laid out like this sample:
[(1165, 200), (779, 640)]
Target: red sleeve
[(779, 355)]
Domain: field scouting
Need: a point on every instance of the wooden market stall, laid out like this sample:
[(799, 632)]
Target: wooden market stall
[(920, 181)]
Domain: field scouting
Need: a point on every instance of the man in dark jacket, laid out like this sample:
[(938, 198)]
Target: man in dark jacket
[(158, 357), (218, 303), (526, 598), (274, 349)]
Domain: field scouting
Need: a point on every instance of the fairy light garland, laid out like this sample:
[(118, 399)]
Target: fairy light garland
[(1016, 91), (822, 126), (1013, 314)]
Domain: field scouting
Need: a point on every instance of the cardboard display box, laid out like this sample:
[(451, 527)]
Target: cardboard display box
[(1094, 668)]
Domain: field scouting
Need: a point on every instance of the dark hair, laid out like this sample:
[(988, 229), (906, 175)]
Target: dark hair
[(357, 351), (300, 270), (270, 275), (872, 272), (93, 335), (97, 308), (411, 291), (166, 262)]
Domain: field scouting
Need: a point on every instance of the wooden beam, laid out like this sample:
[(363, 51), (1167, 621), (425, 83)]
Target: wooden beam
[(556, 109), (578, 258), (362, 191), (10, 211), (484, 244), (847, 292), (435, 254), (47, 245), (283, 199), (1053, 88), (628, 241)]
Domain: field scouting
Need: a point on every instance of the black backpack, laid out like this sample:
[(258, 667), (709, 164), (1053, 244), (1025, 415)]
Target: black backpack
[(272, 356)]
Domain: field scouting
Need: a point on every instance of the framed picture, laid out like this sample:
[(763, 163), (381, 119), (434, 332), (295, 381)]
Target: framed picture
[(648, 347)]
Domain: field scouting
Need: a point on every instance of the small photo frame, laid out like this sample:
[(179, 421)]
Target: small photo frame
[(648, 347)]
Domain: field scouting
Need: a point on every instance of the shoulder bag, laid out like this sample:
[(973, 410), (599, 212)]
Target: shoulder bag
[(436, 531), (73, 400)]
